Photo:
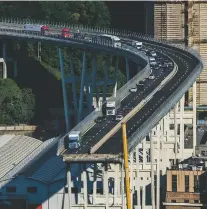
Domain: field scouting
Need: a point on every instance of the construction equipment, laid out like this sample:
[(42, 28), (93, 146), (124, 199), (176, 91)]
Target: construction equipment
[(126, 165)]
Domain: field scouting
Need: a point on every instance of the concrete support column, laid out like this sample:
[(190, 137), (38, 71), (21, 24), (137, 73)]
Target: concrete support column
[(194, 117), (64, 89), (143, 197), (182, 127), (39, 48), (137, 180), (15, 69), (85, 187), (175, 132), (122, 186), (116, 184), (131, 179), (94, 183), (80, 111), (93, 86), (127, 69), (106, 69), (106, 185), (79, 182), (152, 172), (4, 60), (73, 86), (115, 77), (69, 186), (144, 153), (158, 169)]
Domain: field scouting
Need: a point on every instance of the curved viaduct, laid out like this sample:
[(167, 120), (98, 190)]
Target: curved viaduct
[(149, 107)]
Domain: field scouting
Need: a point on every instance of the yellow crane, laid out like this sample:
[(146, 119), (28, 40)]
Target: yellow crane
[(126, 165)]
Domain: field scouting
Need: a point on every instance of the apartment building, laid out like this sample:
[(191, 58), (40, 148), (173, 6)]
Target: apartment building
[(185, 23)]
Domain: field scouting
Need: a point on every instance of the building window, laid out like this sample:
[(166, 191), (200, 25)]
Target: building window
[(196, 201), (74, 190), (196, 184), (99, 190), (186, 201), (172, 127), (202, 183), (10, 189), (32, 189), (186, 183), (174, 183), (173, 201)]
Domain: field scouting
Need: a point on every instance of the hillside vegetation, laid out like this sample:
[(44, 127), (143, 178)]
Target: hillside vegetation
[(44, 77)]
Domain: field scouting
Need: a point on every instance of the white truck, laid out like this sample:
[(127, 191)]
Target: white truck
[(74, 138), (110, 108), (43, 29), (137, 44)]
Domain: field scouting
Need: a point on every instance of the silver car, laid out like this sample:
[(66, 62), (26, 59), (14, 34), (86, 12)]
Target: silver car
[(119, 118)]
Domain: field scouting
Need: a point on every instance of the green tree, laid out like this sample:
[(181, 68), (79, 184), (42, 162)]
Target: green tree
[(16, 106)]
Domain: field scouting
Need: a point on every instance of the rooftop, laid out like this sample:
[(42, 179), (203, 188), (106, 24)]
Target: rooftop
[(13, 149)]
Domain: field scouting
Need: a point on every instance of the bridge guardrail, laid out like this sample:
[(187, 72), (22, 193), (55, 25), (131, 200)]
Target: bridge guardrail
[(163, 109)]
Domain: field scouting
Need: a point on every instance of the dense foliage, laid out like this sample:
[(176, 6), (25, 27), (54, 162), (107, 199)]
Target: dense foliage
[(86, 13), (16, 105)]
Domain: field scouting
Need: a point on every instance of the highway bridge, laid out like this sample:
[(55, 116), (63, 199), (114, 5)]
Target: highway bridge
[(147, 106)]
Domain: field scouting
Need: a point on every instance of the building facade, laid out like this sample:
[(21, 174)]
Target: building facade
[(186, 188), (185, 23)]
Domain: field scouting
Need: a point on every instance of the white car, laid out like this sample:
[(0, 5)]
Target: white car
[(151, 77), (119, 118), (153, 54), (133, 89)]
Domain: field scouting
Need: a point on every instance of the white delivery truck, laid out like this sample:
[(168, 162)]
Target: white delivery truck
[(110, 108), (137, 44), (74, 138), (42, 29)]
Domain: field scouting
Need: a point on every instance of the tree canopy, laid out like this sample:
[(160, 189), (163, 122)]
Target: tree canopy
[(75, 12), (16, 105)]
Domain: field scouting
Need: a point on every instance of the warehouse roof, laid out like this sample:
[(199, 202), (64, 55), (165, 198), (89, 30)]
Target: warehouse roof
[(14, 149)]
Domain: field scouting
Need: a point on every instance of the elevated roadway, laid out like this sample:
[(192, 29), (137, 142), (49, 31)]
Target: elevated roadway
[(189, 66)]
